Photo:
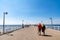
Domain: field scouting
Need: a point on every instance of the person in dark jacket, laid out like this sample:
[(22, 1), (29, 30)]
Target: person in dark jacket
[(22, 25), (43, 29)]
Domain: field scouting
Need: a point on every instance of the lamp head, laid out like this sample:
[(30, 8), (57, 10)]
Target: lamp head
[(6, 12)]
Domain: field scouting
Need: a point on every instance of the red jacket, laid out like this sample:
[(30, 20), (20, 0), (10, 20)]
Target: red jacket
[(39, 26)]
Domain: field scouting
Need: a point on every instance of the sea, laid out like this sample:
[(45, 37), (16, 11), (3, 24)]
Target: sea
[(8, 28)]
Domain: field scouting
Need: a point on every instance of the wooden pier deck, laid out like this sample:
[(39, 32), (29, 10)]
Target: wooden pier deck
[(31, 33)]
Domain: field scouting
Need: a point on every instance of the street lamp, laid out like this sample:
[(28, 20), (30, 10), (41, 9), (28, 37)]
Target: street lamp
[(5, 13), (51, 22)]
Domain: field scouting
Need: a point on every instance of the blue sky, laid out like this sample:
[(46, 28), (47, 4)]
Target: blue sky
[(31, 11)]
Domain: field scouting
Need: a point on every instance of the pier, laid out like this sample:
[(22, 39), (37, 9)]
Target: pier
[(31, 33)]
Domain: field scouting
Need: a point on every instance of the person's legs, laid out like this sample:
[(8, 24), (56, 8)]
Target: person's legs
[(43, 30), (44, 33), (39, 31)]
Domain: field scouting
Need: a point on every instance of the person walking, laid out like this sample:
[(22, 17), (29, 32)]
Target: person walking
[(43, 29), (22, 25), (39, 28)]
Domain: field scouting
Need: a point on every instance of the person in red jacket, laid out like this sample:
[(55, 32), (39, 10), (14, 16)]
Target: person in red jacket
[(40, 28)]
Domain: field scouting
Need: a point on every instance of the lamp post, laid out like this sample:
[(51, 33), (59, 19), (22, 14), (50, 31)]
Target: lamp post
[(5, 13), (51, 22)]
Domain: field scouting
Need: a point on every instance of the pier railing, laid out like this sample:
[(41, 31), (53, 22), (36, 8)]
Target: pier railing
[(55, 27), (9, 28)]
